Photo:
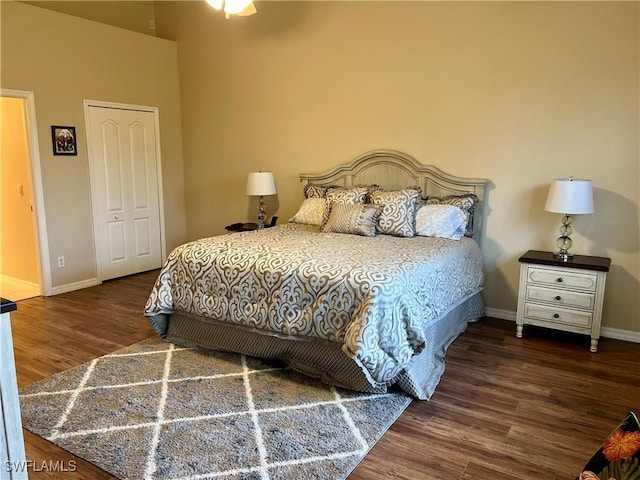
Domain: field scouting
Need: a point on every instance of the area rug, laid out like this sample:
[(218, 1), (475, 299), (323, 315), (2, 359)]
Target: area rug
[(158, 411)]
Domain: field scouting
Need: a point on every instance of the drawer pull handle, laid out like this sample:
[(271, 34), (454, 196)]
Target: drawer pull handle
[(558, 297), (556, 315), (559, 280)]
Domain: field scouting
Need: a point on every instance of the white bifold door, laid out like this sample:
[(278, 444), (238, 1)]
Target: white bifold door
[(124, 172)]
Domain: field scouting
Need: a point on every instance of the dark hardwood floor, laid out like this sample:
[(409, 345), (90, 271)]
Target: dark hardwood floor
[(506, 408)]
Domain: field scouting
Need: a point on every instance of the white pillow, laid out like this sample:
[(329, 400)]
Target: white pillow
[(311, 211), (444, 221)]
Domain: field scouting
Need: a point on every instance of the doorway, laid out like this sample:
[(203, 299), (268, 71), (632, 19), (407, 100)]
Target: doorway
[(22, 271)]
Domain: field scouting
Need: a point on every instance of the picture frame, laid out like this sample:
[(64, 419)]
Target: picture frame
[(64, 140)]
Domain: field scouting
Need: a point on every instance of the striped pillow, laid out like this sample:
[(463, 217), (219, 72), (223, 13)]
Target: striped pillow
[(353, 219), (345, 195)]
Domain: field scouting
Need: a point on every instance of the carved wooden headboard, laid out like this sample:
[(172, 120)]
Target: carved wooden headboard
[(395, 170)]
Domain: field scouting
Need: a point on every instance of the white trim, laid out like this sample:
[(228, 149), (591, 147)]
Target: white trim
[(156, 115), (163, 246), (616, 333), (70, 287), (40, 227), (501, 314), (92, 187), (607, 332), (19, 282), (119, 106)]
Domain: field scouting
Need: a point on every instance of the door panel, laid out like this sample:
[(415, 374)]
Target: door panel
[(140, 167), (143, 237), (117, 242), (112, 164), (125, 180)]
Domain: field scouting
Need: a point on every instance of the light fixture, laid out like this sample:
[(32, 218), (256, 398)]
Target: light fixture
[(258, 185), (242, 8), (569, 196)]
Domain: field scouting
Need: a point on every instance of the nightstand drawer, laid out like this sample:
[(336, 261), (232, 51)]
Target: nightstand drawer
[(558, 315), (563, 278), (564, 298)]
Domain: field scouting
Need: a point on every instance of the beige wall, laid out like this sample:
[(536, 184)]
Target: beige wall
[(18, 256), (63, 60), (130, 14), (517, 92)]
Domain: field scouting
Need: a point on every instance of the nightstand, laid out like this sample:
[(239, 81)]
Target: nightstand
[(562, 295), (241, 227), (249, 227)]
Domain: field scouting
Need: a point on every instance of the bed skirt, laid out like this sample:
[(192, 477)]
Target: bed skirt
[(324, 359)]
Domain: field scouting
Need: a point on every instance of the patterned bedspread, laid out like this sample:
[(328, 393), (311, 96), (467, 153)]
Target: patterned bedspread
[(374, 295)]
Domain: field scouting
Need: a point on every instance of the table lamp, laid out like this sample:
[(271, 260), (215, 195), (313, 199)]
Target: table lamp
[(260, 184), (568, 196)]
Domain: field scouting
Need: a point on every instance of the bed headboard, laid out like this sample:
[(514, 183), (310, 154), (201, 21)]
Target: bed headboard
[(395, 170)]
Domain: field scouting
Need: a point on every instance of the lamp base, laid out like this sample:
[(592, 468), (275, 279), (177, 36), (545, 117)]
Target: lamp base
[(564, 241), (563, 256), (261, 213)]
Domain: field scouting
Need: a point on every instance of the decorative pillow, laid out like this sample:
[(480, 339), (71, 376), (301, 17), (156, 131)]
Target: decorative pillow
[(444, 221), (316, 191), (311, 211), (377, 188), (466, 202), (619, 456), (372, 188), (348, 195), (354, 219), (398, 211), (344, 195)]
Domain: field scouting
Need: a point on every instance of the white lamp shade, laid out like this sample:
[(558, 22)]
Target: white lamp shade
[(570, 196), (261, 183)]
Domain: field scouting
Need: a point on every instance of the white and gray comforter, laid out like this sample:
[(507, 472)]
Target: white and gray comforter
[(374, 295)]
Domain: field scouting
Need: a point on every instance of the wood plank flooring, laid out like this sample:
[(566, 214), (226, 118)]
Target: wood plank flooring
[(505, 409)]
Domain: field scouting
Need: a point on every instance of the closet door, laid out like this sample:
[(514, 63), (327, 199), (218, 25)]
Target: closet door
[(124, 171)]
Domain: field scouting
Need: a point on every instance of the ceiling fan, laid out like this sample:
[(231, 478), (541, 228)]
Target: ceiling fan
[(242, 8)]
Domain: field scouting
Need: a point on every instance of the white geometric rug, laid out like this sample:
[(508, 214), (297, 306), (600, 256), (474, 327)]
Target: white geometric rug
[(158, 411)]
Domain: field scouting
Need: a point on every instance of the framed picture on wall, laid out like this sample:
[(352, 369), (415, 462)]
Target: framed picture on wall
[(64, 140)]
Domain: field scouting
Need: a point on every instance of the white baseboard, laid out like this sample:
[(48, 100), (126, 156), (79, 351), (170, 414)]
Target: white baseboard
[(19, 282), (626, 335), (607, 332), (70, 287), (501, 314)]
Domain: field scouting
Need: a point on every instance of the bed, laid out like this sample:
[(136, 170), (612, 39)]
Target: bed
[(367, 310)]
